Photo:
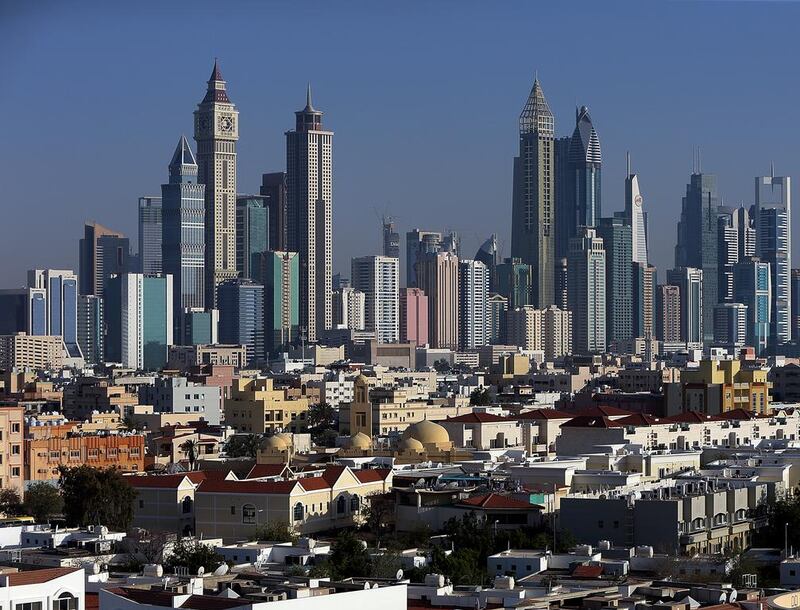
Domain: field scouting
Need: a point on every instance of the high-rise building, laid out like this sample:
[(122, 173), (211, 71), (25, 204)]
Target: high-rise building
[(644, 300), (773, 227), (391, 238), (23, 310), (473, 286), (496, 308), (556, 332), (150, 235), (635, 216), (617, 242), (487, 254), (548, 330), (252, 232), (378, 277), (216, 130), (309, 205), (199, 327), (587, 292), (585, 159), (743, 220), (61, 300), (90, 328), (349, 307), (796, 303), (753, 282), (514, 281), (532, 225), (565, 222), (241, 316), (437, 276), (728, 250), (279, 273), (562, 283), (524, 328), (691, 288), (273, 187), (418, 243), (668, 313), (413, 316), (102, 253), (183, 231), (137, 310), (730, 325), (698, 242)]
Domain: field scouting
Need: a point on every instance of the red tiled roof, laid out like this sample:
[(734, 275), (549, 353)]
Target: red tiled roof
[(603, 410), (164, 481), (545, 414), (372, 475), (641, 419), (691, 417), (91, 601), (314, 483), (496, 501), (35, 577), (590, 421), (587, 571), (246, 487), (331, 474), (738, 414), (266, 470), (476, 418)]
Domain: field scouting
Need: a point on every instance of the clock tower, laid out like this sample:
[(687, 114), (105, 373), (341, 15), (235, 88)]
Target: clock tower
[(216, 130)]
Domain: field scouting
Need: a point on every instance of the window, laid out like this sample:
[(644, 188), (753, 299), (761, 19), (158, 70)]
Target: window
[(65, 601), (340, 505), (355, 504), (298, 511), (15, 427), (186, 505), (15, 471), (233, 510), (28, 606), (141, 503), (15, 450), (248, 513)]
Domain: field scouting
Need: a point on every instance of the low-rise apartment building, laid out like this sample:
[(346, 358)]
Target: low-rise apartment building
[(256, 407)]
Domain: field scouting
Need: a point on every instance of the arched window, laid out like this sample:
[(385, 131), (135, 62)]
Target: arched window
[(298, 511), (187, 505), (248, 513), (355, 504), (65, 601), (340, 505)]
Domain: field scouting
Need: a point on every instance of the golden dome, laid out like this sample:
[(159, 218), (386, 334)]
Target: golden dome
[(361, 379), (427, 432), (411, 444), (274, 442), (286, 438), (360, 441)]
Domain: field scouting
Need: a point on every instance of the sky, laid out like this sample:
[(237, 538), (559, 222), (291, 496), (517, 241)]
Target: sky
[(423, 97)]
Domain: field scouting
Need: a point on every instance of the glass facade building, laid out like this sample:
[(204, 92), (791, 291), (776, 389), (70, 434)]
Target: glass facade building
[(252, 232), (241, 316), (279, 273), (150, 220)]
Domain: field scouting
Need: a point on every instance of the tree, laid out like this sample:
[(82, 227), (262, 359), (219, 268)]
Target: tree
[(480, 397), (275, 531), (322, 424), (442, 366), (190, 448), (193, 555), (10, 502), (377, 514), (95, 496), (242, 445), (348, 557), (42, 501)]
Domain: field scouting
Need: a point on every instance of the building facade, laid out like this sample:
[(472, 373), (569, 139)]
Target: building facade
[(150, 230), (635, 217), (413, 316), (437, 276), (241, 316), (101, 253), (690, 287), (60, 289), (273, 187), (349, 308), (753, 288), (252, 232), (587, 292), (378, 277), (617, 242), (473, 286), (91, 334)]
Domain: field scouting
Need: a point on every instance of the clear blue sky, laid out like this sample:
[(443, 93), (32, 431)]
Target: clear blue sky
[(423, 97)]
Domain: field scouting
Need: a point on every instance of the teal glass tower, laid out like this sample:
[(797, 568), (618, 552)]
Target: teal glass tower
[(252, 232), (279, 272)]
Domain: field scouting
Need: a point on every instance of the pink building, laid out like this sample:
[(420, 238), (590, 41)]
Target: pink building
[(413, 316)]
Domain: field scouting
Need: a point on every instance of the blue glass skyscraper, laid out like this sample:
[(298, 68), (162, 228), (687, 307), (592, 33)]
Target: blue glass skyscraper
[(241, 316), (59, 304)]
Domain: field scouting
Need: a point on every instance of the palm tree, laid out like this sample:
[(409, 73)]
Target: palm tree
[(190, 448)]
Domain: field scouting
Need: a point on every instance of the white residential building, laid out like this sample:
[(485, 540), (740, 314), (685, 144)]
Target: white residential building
[(473, 312), (378, 277)]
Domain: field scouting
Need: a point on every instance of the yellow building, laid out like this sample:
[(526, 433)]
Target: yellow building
[(717, 386), (256, 407)]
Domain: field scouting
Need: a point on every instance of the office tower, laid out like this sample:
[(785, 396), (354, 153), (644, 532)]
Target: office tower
[(348, 308), (562, 280), (585, 160), (617, 242), (496, 308), (437, 275), (796, 303), (61, 298), (102, 253), (273, 187), (90, 328), (730, 324), (199, 327), (691, 289), (635, 216), (340, 282), (743, 220), (183, 232), (23, 310), (216, 130), (644, 299), (378, 277), (418, 243), (514, 281), (532, 228), (668, 314), (773, 227), (150, 235), (565, 223), (252, 232), (241, 316), (728, 249), (487, 254), (279, 273), (556, 332), (697, 245), (587, 292), (753, 282), (137, 312), (391, 238), (473, 286), (413, 316), (309, 200)]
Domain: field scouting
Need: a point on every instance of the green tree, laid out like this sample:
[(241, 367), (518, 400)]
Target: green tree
[(43, 501), (480, 397), (323, 422), (190, 448), (94, 496), (442, 366), (242, 445), (192, 554), (275, 531), (348, 557), (10, 502)]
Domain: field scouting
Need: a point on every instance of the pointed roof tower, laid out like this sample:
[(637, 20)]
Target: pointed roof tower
[(536, 115), (309, 118), (216, 73), (216, 87), (309, 106), (183, 164), (584, 147)]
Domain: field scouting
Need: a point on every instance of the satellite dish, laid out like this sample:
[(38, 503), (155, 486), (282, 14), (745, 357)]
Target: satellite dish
[(221, 570), (399, 575), (201, 570)]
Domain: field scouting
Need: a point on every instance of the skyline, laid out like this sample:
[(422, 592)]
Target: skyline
[(410, 179)]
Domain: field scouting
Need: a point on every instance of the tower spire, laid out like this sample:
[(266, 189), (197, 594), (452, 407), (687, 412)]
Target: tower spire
[(628, 162), (309, 106), (216, 73)]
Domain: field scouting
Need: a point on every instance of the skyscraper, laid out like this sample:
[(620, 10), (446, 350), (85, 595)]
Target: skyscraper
[(241, 316), (514, 280), (586, 159), (743, 220), (391, 238), (691, 288), (487, 254), (773, 226), (61, 300), (90, 328), (309, 205), (437, 276), (183, 231), (796, 303), (413, 316), (473, 286), (644, 301), (617, 243), (349, 307), (697, 245), (23, 310), (150, 234), (378, 277), (730, 325), (753, 282), (587, 292), (419, 242), (252, 232), (273, 187), (216, 130), (635, 216), (102, 253), (668, 313), (279, 273), (728, 249), (532, 226)]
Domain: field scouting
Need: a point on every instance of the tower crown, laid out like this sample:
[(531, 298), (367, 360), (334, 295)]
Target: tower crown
[(183, 167), (536, 115), (585, 145), (309, 118), (216, 87)]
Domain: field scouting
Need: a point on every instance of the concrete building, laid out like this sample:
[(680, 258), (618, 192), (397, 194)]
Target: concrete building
[(473, 287), (482, 431), (60, 290), (753, 288), (165, 503), (419, 242), (57, 588), (730, 325), (183, 357), (717, 386), (12, 423), (587, 292), (668, 314), (496, 308), (37, 352), (691, 284), (514, 281), (548, 330), (273, 187), (178, 395), (636, 217), (617, 243), (437, 276), (644, 301), (349, 307), (256, 407), (378, 277), (150, 221), (413, 316), (91, 334)]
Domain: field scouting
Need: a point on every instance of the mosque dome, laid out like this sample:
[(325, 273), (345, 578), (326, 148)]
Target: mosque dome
[(427, 432)]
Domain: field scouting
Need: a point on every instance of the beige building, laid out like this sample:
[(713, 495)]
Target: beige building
[(12, 428), (184, 357), (437, 276), (165, 503), (255, 407), (717, 386), (647, 380), (548, 330), (483, 431), (31, 351)]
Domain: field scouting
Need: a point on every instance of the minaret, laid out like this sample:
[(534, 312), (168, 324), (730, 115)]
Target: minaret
[(309, 208), (216, 130), (533, 213)]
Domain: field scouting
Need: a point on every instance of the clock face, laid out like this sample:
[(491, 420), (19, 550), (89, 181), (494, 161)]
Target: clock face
[(638, 200), (226, 123), (202, 123)]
